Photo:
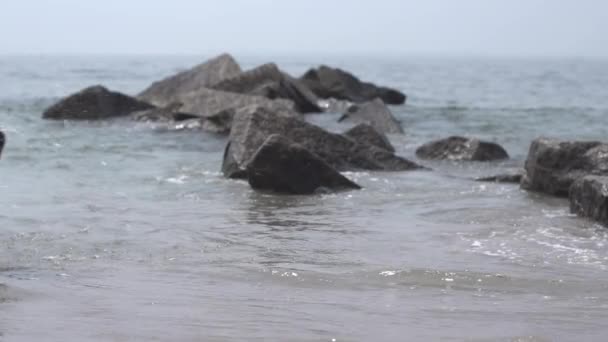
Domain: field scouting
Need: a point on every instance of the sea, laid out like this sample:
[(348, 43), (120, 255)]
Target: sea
[(123, 231)]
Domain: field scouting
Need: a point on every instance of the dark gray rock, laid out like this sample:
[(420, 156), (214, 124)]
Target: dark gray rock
[(204, 75), (251, 128), (504, 178), (282, 166), (94, 103), (461, 148), (208, 102), (366, 134), (270, 82), (170, 113), (375, 113), (328, 82), (221, 122), (552, 165), (589, 198), (2, 142)]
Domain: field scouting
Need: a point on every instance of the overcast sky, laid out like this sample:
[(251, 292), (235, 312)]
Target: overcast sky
[(258, 27)]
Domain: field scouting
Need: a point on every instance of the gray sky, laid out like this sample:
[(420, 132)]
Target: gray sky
[(259, 27)]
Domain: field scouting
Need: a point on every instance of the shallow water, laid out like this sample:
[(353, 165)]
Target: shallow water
[(123, 231)]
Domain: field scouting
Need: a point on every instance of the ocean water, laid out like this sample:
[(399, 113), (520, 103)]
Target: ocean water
[(122, 231)]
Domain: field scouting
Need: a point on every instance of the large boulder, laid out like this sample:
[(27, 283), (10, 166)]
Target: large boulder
[(166, 91), (94, 103), (366, 134), (252, 127), (375, 113), (553, 165), (328, 82), (461, 148), (589, 198), (282, 166), (270, 82), (221, 122)]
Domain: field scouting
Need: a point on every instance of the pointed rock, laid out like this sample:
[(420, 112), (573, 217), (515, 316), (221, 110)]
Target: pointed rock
[(251, 128), (366, 134), (213, 71), (282, 166)]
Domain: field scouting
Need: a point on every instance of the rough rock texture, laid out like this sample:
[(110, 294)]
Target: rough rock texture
[(461, 148), (170, 113), (207, 102), (270, 82), (251, 128), (552, 165), (504, 178), (2, 142), (166, 91), (221, 122), (328, 82), (282, 166), (94, 103), (375, 113), (589, 198), (366, 134)]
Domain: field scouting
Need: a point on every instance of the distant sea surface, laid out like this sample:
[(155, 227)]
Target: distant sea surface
[(122, 231)]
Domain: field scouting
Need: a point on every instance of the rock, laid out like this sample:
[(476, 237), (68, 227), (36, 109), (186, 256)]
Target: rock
[(252, 127), (460, 148), (503, 178), (366, 134), (2, 142), (589, 198), (270, 82), (328, 82), (335, 106), (169, 113), (221, 122), (204, 75), (552, 165), (94, 103), (375, 113), (282, 166), (208, 102)]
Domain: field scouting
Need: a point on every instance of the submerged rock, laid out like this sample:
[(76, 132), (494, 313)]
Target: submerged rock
[(328, 82), (461, 148), (552, 165), (213, 71), (504, 178), (270, 82), (282, 166), (589, 198), (170, 113), (251, 128), (375, 113), (94, 103), (366, 134)]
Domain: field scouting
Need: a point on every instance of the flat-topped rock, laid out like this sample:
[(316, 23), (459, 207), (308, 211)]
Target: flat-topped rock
[(206, 102), (207, 74), (588, 197), (461, 148), (365, 133), (251, 128), (94, 103), (375, 113), (553, 165), (328, 82), (282, 166), (270, 82)]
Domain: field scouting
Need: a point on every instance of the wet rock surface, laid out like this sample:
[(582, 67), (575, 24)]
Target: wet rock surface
[(461, 148)]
